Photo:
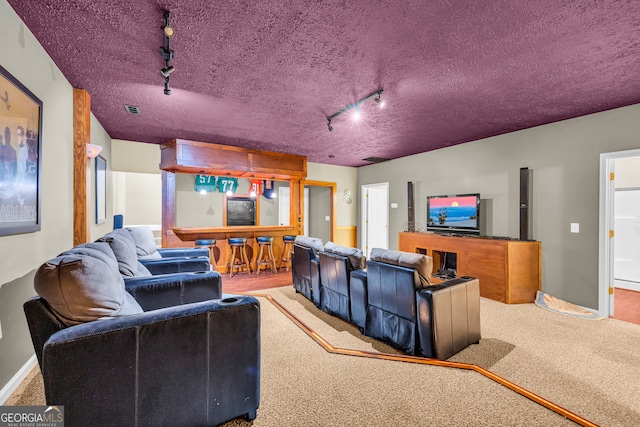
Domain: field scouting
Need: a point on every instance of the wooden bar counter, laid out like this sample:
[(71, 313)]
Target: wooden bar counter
[(188, 235)]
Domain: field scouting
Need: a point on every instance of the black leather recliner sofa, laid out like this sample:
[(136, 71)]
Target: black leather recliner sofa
[(155, 350), (405, 310), (305, 267), (336, 264)]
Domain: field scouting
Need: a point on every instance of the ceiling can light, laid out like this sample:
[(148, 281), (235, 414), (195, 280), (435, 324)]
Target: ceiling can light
[(356, 107)]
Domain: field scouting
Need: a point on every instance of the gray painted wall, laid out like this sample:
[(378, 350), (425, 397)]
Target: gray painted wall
[(564, 157), (22, 254), (319, 208)]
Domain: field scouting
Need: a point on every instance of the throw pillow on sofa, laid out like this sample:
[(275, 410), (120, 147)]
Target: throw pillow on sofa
[(357, 259), (82, 288)]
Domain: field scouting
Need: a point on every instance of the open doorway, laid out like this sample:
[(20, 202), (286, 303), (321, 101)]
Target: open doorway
[(283, 200), (619, 231), (375, 216), (320, 209)]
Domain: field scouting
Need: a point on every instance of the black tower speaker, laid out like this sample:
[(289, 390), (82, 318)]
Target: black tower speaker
[(525, 201), (411, 214)]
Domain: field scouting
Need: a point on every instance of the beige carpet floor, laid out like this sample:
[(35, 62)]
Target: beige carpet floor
[(591, 368)]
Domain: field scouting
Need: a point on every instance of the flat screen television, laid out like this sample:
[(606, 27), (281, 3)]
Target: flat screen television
[(241, 211), (454, 214)]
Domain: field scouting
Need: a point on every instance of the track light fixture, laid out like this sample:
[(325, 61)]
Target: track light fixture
[(356, 107), (168, 29), (166, 52), (166, 72)]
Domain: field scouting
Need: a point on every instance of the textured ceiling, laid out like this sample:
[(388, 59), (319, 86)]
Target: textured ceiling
[(266, 74)]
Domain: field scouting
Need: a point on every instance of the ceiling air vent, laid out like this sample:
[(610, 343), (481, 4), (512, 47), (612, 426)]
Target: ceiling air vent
[(132, 109), (375, 159)]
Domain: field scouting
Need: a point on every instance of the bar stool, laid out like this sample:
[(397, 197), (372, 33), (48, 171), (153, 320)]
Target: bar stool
[(238, 258), (209, 244), (265, 254), (286, 252)]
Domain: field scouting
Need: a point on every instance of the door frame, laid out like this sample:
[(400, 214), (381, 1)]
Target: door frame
[(605, 224), (334, 189)]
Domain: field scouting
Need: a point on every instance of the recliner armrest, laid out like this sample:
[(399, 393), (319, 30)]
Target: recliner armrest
[(448, 317), (121, 362), (183, 252), (165, 290), (315, 281), (358, 298), (176, 264)]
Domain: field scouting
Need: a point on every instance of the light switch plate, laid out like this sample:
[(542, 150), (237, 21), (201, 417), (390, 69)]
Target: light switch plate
[(394, 206), (327, 218), (575, 227)]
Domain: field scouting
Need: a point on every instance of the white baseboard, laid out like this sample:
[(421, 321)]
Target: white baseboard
[(624, 284), (15, 381)]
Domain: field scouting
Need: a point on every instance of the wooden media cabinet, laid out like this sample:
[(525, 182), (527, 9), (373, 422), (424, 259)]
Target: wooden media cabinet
[(509, 270)]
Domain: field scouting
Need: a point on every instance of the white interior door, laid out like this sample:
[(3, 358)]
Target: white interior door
[(375, 216), (306, 211), (283, 207)]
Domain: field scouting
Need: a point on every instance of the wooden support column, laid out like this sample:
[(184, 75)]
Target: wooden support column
[(168, 208), (296, 197), (81, 136)]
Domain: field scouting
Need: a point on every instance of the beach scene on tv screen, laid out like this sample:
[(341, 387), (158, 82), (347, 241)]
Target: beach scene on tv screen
[(453, 212)]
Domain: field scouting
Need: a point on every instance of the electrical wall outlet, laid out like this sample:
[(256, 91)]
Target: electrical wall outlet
[(575, 227), (327, 218)]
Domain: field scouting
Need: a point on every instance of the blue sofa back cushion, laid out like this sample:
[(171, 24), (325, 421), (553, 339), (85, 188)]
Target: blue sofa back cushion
[(145, 242), (124, 248), (83, 287), (356, 258), (423, 264), (310, 242)]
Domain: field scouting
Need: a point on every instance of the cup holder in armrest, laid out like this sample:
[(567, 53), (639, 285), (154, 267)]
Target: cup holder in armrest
[(229, 300)]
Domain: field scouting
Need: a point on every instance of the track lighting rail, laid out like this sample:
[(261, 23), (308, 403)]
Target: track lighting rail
[(355, 106)]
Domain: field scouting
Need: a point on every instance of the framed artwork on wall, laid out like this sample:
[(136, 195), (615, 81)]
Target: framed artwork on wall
[(101, 190), (20, 157)]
